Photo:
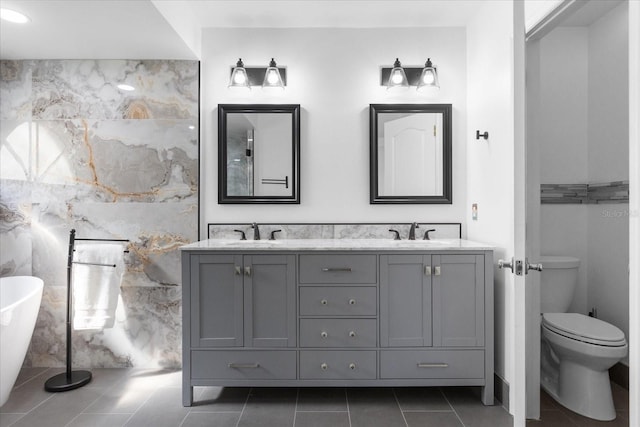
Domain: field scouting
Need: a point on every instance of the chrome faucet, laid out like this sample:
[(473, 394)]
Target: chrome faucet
[(256, 231), (412, 231)]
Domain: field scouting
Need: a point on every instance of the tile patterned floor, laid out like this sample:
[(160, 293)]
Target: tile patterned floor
[(136, 397)]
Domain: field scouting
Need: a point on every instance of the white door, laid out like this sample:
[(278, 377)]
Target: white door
[(496, 176), (410, 144)]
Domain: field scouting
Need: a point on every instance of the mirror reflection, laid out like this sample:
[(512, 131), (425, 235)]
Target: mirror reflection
[(410, 153), (258, 154)]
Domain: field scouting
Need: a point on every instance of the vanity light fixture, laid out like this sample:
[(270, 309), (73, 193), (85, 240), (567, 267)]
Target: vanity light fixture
[(239, 78), (397, 77), (428, 77), (267, 77), (14, 16), (272, 78), (400, 77)]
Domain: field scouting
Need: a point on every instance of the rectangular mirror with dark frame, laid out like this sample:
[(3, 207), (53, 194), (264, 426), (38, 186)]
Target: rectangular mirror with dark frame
[(259, 153), (410, 153)]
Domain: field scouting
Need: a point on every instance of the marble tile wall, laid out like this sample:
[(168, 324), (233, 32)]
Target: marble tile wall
[(335, 231), (77, 152)]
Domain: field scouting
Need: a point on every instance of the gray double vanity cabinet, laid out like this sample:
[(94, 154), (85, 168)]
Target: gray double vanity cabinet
[(336, 313)]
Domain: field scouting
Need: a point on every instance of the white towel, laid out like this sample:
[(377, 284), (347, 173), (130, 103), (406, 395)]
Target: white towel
[(96, 288)]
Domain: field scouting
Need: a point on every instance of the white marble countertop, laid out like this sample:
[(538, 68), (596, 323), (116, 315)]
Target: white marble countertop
[(338, 245)]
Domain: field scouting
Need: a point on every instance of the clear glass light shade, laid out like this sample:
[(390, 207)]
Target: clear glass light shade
[(239, 78), (272, 78), (429, 77), (397, 77)]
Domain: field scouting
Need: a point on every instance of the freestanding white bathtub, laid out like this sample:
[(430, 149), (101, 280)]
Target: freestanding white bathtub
[(20, 298)]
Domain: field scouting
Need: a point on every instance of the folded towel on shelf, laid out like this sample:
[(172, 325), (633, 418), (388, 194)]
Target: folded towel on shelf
[(96, 288)]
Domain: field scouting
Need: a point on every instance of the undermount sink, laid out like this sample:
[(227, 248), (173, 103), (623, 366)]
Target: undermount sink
[(250, 242)]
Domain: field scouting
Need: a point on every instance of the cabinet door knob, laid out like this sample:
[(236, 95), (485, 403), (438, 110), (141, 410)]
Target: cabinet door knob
[(238, 270), (324, 302), (323, 334), (437, 271), (352, 302), (324, 366), (352, 334), (247, 271), (352, 366), (427, 270)]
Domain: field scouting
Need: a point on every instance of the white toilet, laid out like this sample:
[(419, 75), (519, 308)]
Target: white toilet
[(576, 350)]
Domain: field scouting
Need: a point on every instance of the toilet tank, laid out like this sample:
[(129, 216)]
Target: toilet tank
[(558, 282)]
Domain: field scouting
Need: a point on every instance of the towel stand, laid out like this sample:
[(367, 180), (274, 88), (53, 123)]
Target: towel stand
[(70, 379)]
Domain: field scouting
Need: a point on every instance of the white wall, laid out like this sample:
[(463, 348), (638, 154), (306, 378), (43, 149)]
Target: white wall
[(491, 186), (563, 135), (583, 128), (608, 225), (334, 75)]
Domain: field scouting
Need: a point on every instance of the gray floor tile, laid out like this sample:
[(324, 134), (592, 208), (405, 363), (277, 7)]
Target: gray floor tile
[(421, 399), (620, 397), (7, 419), (99, 420), (60, 409), (551, 418), (274, 393), (380, 394), (29, 394), (322, 399), (432, 419), (27, 374), (162, 409), (211, 419), (125, 397), (483, 416), (267, 413), (375, 413), (322, 419), (460, 396), (107, 377), (220, 399)]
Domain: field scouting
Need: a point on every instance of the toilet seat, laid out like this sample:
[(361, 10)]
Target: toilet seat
[(584, 328)]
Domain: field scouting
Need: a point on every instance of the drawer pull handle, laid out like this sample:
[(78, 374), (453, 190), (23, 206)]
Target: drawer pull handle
[(323, 334), (352, 334), (244, 365), (352, 366), (352, 302), (433, 365), (324, 366), (324, 302), (336, 269)]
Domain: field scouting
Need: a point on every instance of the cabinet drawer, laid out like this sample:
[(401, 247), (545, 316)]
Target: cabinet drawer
[(337, 365), (338, 268), (338, 301), (239, 365), (338, 332), (432, 364)]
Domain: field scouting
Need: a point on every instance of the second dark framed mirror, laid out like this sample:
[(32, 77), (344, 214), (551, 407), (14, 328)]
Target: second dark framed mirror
[(259, 153), (410, 153)]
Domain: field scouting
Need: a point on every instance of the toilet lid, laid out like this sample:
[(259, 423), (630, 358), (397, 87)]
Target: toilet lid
[(584, 328)]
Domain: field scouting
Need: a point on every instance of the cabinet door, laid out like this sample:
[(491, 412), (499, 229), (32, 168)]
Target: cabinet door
[(458, 300), (269, 298), (216, 301), (405, 301)]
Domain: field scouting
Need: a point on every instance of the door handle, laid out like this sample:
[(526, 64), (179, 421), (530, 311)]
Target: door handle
[(527, 266), (505, 264)]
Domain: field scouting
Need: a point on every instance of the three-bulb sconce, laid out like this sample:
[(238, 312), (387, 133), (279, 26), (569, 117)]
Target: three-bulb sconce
[(399, 77), (271, 77)]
